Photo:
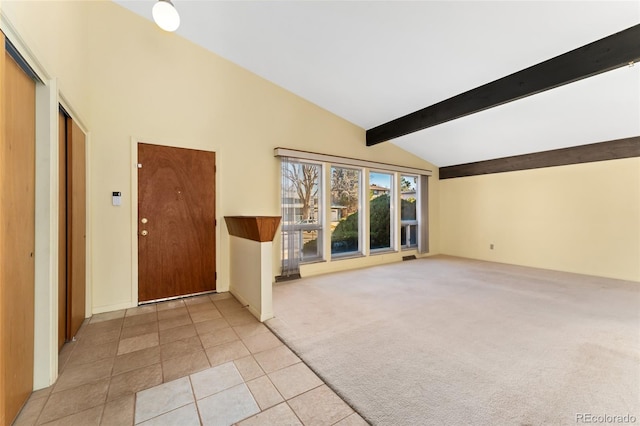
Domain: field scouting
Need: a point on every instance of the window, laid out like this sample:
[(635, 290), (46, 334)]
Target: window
[(302, 212), (326, 208), (380, 193), (345, 206), (408, 211)]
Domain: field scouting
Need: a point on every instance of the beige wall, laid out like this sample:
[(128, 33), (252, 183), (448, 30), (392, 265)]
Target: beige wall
[(133, 81), (56, 33), (581, 218)]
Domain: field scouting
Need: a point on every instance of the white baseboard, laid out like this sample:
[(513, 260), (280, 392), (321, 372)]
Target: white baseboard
[(261, 316), (111, 308)]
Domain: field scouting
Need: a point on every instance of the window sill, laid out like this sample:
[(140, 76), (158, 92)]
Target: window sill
[(347, 256), (311, 262), (382, 251)]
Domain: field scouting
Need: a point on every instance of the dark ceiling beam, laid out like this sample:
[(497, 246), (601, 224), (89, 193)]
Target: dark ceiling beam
[(606, 54), (601, 151)]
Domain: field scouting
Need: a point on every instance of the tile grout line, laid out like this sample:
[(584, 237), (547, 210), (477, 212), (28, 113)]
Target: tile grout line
[(43, 406), (294, 412), (112, 366), (135, 404), (104, 405), (254, 396), (135, 395), (250, 393), (55, 382), (195, 400), (348, 415)]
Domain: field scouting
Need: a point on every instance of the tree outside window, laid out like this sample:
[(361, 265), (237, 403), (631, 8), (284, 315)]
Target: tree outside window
[(380, 185), (345, 203), (303, 181), (302, 217)]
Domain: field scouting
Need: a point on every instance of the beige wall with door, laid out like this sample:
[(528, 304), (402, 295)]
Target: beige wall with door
[(135, 82), (582, 218)]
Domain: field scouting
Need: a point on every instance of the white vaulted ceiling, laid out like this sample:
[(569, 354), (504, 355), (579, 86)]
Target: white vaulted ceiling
[(373, 61)]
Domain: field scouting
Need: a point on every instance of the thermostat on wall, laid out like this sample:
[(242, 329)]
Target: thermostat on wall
[(116, 199)]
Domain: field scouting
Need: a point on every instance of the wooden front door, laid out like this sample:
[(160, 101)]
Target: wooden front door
[(17, 235), (176, 222)]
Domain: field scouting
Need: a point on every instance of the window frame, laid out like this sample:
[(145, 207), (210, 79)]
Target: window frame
[(365, 168), (408, 223), (302, 227), (361, 249), (392, 213)]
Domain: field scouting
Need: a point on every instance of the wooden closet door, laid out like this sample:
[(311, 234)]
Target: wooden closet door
[(62, 230), (76, 227), (17, 237)]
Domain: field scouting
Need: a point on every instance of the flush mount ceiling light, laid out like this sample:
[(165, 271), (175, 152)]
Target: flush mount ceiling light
[(166, 15)]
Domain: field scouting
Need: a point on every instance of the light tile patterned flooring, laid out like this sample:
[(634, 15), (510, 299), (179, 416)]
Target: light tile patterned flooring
[(198, 361)]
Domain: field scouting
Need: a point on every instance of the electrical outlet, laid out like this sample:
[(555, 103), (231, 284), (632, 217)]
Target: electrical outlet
[(491, 246)]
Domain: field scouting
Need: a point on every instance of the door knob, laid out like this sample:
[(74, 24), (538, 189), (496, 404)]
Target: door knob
[(144, 233), (144, 220)]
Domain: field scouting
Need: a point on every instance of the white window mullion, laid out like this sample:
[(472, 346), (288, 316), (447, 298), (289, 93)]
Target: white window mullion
[(398, 207), (365, 219), (326, 203)]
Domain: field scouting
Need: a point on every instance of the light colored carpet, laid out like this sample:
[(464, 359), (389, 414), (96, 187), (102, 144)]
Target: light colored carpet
[(444, 340)]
